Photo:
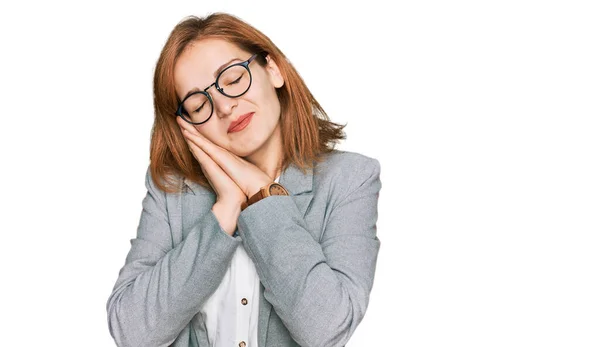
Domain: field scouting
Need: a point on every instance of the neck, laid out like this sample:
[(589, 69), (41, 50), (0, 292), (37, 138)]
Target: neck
[(269, 156)]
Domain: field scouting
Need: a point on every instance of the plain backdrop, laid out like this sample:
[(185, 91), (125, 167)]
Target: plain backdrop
[(484, 116)]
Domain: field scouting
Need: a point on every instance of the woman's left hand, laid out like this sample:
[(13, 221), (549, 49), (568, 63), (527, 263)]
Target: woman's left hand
[(245, 174)]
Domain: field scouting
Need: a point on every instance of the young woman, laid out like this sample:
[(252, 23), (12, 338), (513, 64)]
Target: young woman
[(255, 231)]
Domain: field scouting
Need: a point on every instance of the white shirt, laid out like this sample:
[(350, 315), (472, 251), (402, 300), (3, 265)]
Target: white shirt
[(231, 312)]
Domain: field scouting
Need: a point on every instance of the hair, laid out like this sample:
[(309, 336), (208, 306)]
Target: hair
[(306, 130)]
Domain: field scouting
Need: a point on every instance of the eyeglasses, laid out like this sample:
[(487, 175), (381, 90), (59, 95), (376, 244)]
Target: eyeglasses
[(235, 80)]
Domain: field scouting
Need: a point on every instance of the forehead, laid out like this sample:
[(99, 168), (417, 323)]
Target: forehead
[(197, 64)]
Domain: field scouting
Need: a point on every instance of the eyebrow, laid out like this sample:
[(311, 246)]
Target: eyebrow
[(221, 68)]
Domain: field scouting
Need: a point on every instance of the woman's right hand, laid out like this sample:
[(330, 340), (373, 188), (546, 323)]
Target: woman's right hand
[(230, 197)]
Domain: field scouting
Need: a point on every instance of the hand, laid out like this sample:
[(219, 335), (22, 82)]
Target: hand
[(223, 165), (229, 196)]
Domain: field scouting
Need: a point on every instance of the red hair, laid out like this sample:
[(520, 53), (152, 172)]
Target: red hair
[(306, 129)]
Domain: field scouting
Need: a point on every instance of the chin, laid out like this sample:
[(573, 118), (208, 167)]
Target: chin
[(243, 153), (243, 150), (253, 141)]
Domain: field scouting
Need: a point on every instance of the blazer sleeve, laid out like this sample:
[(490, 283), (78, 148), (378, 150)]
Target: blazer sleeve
[(160, 288), (319, 290)]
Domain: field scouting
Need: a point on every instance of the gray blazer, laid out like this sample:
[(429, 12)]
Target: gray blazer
[(315, 253)]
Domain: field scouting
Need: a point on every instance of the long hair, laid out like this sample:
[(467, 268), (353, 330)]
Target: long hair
[(306, 129)]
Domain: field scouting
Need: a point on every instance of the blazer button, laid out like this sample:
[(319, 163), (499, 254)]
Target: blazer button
[(242, 344), (244, 301)]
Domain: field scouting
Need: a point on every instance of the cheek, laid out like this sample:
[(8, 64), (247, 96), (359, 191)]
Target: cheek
[(209, 131), (268, 98), (203, 129), (264, 91)]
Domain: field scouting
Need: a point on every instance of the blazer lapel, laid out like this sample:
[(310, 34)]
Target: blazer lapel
[(299, 185)]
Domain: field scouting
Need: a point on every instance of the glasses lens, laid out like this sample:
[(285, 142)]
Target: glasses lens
[(197, 108), (234, 81)]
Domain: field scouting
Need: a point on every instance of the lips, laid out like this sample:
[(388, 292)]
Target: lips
[(240, 123)]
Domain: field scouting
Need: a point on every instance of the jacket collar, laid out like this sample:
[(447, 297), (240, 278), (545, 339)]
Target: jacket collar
[(295, 181), (299, 185)]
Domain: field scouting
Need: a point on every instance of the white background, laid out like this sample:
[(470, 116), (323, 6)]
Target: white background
[(484, 116)]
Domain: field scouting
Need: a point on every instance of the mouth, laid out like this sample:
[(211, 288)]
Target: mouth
[(241, 123)]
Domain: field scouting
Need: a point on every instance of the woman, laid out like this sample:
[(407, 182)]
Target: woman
[(254, 230)]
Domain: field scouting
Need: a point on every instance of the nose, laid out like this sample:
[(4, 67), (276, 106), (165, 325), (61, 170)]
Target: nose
[(223, 104)]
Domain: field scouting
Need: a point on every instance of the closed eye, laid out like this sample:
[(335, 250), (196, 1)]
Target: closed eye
[(199, 108), (236, 81)]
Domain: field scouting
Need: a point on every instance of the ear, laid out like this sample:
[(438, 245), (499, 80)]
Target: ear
[(274, 73)]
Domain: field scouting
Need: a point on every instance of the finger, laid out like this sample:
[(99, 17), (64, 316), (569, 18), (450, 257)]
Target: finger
[(216, 176), (221, 156), (191, 133), (229, 162), (244, 174), (185, 125), (208, 166), (206, 163)]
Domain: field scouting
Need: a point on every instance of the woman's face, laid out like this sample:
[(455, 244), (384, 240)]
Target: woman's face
[(198, 67)]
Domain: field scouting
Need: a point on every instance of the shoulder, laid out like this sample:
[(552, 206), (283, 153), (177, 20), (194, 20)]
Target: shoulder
[(340, 162), (173, 182), (345, 171)]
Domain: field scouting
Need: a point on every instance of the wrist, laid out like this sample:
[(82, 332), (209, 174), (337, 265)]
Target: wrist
[(272, 188), (227, 215), (257, 187)]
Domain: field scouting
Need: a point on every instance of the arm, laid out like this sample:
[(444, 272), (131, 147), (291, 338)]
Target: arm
[(161, 288), (319, 290)]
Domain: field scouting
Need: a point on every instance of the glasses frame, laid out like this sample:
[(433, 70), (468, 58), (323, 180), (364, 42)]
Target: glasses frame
[(245, 64)]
